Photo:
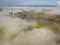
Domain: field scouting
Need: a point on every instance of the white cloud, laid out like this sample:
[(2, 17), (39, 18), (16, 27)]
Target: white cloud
[(58, 2), (31, 2)]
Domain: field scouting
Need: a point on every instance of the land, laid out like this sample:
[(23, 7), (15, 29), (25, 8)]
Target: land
[(29, 26), (48, 17)]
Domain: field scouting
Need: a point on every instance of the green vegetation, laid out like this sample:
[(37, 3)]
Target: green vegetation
[(28, 28), (38, 26), (13, 36), (2, 32), (46, 20), (55, 28)]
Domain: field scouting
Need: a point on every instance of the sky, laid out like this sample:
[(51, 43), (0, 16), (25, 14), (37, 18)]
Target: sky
[(28, 2)]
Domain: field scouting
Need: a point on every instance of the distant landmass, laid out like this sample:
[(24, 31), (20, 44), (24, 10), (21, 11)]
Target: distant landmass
[(30, 6), (38, 5)]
